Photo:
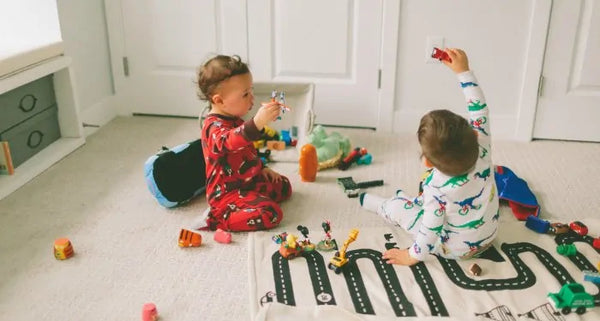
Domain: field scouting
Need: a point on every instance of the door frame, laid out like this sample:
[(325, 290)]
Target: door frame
[(534, 63), (538, 32)]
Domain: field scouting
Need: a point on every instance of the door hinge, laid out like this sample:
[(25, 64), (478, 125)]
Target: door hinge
[(541, 86), (379, 79), (126, 66)]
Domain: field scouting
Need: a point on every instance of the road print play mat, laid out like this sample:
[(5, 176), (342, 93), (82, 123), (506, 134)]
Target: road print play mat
[(517, 274)]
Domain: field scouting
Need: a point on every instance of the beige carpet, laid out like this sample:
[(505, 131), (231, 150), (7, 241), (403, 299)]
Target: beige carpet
[(126, 244)]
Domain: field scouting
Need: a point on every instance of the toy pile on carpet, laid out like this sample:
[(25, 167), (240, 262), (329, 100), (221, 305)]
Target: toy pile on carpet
[(522, 274)]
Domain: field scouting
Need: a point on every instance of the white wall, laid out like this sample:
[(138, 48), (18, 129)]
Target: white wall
[(495, 36), (83, 27), (27, 25)]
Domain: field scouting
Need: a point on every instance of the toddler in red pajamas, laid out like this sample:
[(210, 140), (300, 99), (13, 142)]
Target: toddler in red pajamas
[(242, 193)]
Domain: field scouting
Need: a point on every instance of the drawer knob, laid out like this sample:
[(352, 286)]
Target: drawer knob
[(35, 136), (27, 103)]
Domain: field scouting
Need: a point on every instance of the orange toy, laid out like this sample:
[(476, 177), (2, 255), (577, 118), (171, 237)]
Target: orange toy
[(63, 249), (189, 238), (308, 163)]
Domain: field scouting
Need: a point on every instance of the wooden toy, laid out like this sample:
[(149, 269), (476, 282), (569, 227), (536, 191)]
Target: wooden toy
[(475, 269), (188, 238), (63, 249)]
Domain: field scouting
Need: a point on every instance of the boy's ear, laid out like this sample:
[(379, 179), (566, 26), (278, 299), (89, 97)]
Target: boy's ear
[(217, 99), (427, 162)]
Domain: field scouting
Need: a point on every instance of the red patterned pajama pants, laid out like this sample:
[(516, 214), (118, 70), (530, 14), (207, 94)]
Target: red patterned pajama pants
[(250, 210)]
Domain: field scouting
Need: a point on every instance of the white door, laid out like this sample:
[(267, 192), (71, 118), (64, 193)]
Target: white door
[(334, 44), (569, 106), (166, 41)]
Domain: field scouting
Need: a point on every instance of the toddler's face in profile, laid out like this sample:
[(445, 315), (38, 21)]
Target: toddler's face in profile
[(237, 95)]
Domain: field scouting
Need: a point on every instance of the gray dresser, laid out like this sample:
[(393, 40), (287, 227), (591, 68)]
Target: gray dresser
[(29, 119)]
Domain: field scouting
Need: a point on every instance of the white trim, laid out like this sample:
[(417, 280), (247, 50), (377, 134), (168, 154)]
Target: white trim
[(116, 41), (534, 62), (99, 114), (389, 58)]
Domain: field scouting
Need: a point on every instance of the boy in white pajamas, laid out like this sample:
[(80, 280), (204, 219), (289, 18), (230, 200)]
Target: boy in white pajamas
[(456, 215)]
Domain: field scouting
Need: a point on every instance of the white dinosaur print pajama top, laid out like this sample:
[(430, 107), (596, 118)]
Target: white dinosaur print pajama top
[(457, 216)]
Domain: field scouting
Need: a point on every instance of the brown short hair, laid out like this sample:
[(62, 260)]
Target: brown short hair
[(216, 70), (448, 142)]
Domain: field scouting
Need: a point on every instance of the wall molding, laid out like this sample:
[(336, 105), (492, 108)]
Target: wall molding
[(99, 114)]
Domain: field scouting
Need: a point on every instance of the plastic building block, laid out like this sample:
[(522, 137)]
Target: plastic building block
[(149, 312), (579, 228), (285, 136), (222, 236), (188, 238), (536, 224), (63, 249)]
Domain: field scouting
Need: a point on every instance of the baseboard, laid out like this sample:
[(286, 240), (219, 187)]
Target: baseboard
[(98, 115), (503, 126)]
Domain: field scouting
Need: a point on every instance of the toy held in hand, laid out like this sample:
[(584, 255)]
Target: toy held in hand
[(440, 55)]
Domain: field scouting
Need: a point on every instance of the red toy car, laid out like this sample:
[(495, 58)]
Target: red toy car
[(596, 243), (579, 228), (440, 55)]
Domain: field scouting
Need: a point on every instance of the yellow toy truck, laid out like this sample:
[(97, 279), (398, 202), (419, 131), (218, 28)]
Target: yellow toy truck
[(339, 260)]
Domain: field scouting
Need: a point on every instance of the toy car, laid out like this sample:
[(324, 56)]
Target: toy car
[(571, 296), (566, 249), (558, 228), (339, 260), (596, 243), (579, 228), (591, 276), (440, 55), (536, 224)]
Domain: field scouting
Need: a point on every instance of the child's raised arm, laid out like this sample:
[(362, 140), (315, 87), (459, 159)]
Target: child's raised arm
[(476, 105)]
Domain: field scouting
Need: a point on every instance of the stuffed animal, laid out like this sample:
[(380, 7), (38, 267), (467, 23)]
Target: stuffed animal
[(330, 148)]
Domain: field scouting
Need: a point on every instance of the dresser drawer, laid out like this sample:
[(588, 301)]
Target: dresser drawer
[(23, 102), (32, 135)]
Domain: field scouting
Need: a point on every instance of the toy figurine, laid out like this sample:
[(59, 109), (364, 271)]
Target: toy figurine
[(327, 244), (339, 260), (306, 244), (280, 101)]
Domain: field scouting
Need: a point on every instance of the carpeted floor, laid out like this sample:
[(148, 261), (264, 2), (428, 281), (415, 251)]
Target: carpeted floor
[(126, 244)]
